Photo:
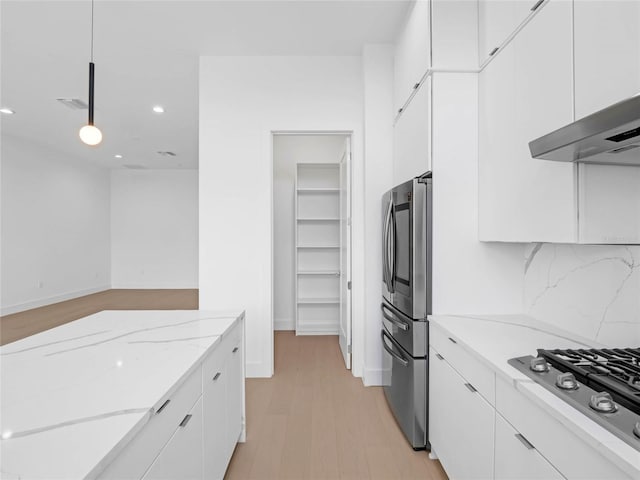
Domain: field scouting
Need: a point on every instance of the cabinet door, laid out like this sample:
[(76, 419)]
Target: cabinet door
[(517, 459), (607, 70), (525, 92), (461, 423), (497, 20), (412, 53), (411, 142), (607, 53), (215, 408), (182, 456), (234, 398)]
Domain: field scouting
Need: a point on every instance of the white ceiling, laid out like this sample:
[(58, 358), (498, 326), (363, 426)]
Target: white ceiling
[(146, 53)]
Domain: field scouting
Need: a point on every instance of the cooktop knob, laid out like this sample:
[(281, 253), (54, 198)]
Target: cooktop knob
[(539, 365), (567, 381), (602, 402), (636, 430)]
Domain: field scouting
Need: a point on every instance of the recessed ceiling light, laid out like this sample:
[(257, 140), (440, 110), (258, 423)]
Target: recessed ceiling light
[(117, 155), (158, 109), (7, 111)]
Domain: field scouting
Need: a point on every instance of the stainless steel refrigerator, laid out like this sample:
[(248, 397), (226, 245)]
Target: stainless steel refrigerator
[(406, 302)]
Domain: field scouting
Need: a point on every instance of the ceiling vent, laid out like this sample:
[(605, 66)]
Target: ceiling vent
[(134, 167), (73, 103), (167, 154)]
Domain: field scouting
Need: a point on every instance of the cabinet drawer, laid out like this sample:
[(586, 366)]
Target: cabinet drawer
[(145, 447), (461, 424), (214, 363), (517, 459), (566, 451), (481, 377)]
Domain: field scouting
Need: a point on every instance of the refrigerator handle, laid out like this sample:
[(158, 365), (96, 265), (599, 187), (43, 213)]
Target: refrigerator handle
[(385, 247), (388, 315), (392, 251), (390, 351)]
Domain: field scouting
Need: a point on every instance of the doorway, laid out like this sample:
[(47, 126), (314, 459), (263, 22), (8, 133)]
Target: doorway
[(311, 229)]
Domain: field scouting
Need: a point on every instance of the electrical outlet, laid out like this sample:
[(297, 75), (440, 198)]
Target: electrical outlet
[(40, 284)]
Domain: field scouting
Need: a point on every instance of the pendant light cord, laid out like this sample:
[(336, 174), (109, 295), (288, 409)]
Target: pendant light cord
[(92, 30)]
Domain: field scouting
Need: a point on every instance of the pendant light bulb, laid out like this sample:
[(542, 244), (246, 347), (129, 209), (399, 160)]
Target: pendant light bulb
[(91, 135)]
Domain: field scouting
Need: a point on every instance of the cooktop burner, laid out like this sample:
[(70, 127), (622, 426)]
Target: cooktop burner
[(604, 384)]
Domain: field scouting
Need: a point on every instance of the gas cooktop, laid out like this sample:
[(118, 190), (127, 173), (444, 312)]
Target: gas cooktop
[(604, 384)]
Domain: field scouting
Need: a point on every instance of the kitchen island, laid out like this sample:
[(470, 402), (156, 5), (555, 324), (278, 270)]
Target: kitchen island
[(124, 394)]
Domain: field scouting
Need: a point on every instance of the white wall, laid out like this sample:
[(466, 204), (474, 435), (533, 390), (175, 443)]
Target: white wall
[(242, 100), (378, 171), (288, 150), (154, 228), (55, 226)]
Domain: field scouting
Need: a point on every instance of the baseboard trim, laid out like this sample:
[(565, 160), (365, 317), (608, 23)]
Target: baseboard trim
[(284, 324), (373, 377), (153, 286), (42, 302)]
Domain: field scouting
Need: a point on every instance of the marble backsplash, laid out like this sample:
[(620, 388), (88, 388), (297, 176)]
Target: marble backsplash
[(591, 290)]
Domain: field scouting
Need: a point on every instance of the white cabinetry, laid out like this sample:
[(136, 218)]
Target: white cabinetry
[(317, 248), (497, 20), (181, 457), (222, 379), (607, 70), (527, 91), (460, 423), (412, 53), (411, 137), (517, 459), (193, 431)]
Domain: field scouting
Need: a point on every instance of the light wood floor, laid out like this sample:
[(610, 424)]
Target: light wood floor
[(314, 420), (19, 325)]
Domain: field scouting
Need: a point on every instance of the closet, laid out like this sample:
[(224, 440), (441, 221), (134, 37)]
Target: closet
[(311, 243)]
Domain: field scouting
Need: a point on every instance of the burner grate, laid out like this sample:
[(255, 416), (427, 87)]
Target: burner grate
[(616, 370)]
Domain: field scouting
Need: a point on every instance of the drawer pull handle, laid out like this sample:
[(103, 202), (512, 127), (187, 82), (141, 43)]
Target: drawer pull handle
[(524, 441), (163, 405), (234, 350), (452, 340), (493, 52), (440, 357), (185, 420), (471, 388), (217, 376)]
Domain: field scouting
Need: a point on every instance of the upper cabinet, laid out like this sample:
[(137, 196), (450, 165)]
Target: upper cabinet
[(412, 55), (527, 91), (411, 137), (498, 19), (607, 70)]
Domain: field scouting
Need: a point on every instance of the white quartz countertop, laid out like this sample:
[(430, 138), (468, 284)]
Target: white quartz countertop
[(494, 339), (73, 396)]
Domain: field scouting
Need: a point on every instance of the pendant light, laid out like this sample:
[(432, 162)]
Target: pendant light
[(90, 134)]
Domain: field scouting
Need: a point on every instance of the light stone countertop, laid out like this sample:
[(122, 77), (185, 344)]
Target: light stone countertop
[(495, 339), (73, 396)]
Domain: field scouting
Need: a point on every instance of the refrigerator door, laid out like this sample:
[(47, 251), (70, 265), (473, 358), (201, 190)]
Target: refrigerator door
[(406, 390), (411, 335), (387, 254)]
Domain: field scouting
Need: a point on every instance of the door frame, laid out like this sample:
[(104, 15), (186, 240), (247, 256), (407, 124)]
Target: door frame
[(282, 132)]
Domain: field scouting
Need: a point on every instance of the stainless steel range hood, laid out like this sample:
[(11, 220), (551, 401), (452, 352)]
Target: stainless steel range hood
[(610, 137)]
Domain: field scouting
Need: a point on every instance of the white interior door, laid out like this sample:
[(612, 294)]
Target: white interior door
[(345, 253)]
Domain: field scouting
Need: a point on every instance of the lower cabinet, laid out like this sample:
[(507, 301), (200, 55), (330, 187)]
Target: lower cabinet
[(193, 432), (461, 423), (516, 458), (222, 395), (181, 457)]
